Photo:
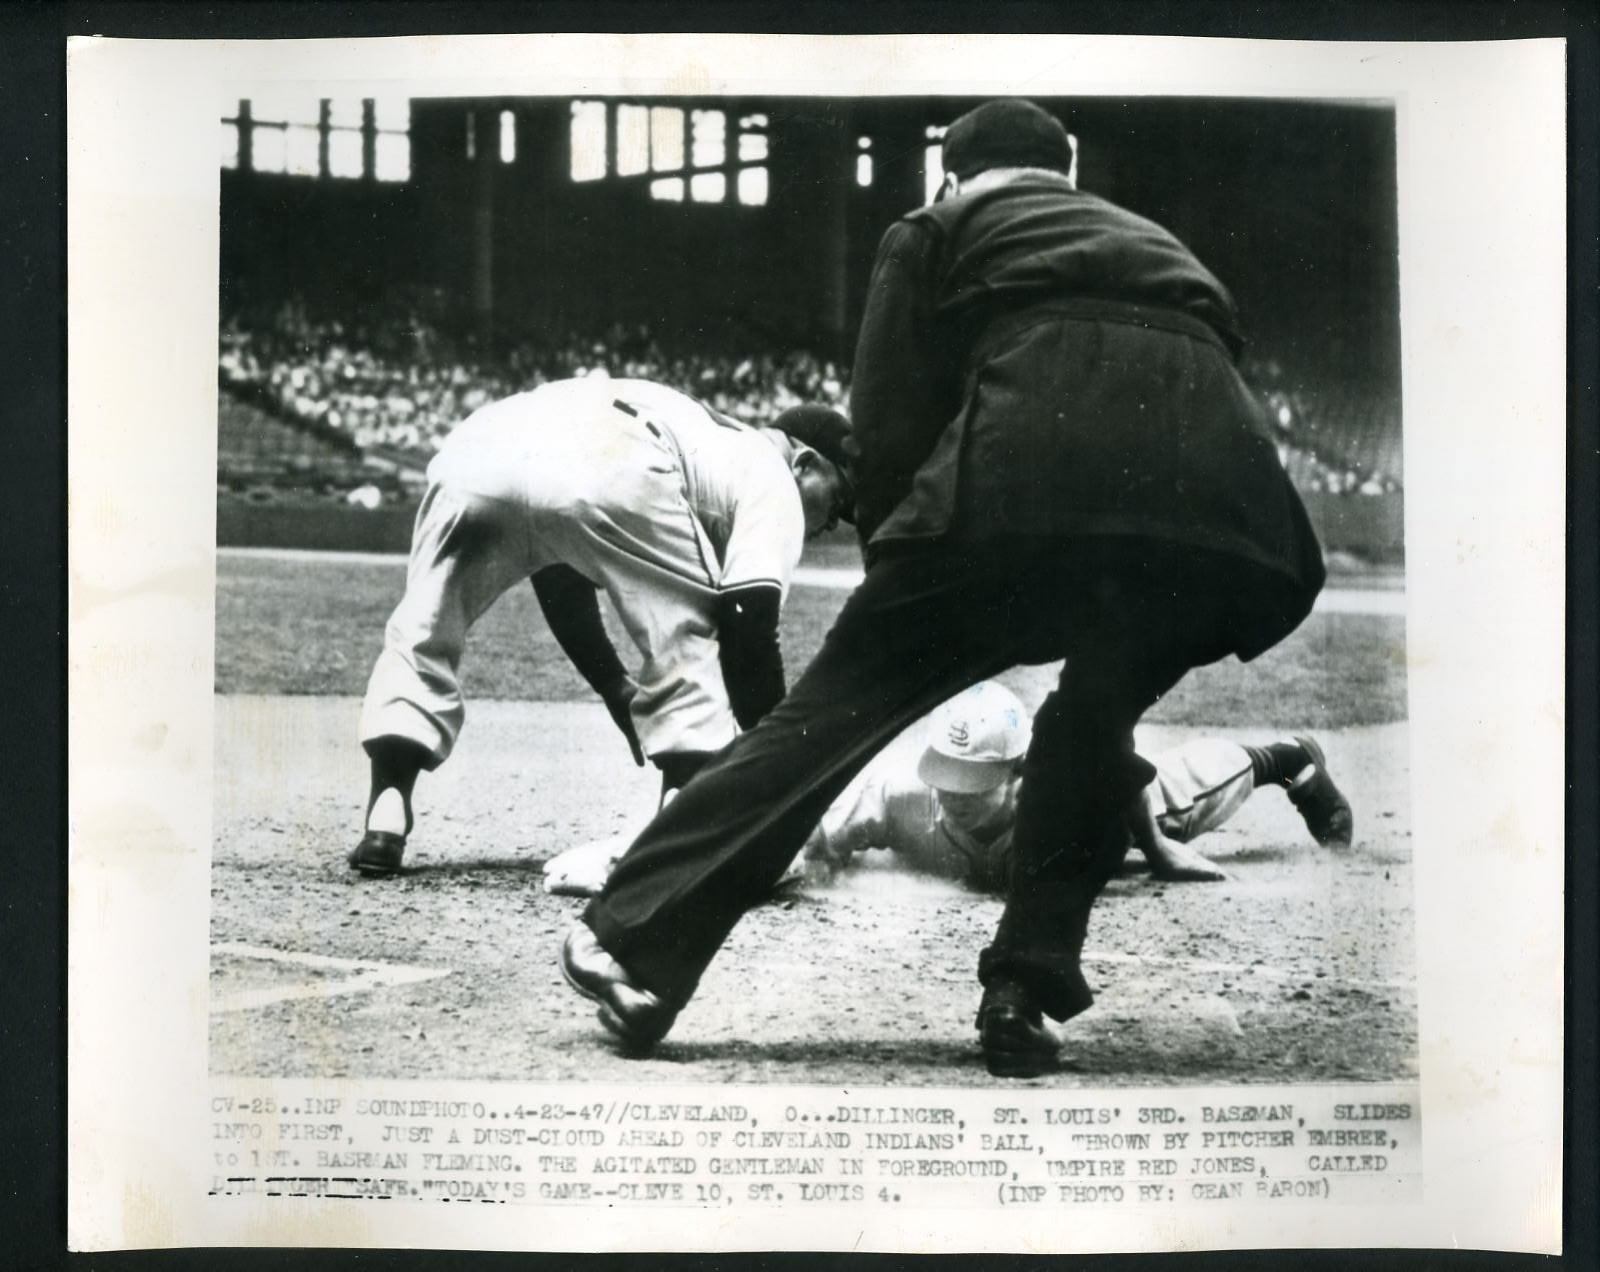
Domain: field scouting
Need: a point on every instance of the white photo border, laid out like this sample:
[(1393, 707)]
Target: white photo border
[(1481, 148)]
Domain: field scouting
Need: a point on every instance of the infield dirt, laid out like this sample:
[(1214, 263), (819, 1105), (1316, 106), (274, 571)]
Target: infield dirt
[(1300, 968), (1297, 969)]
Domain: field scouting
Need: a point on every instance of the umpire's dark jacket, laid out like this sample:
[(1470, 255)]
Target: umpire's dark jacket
[(1035, 361)]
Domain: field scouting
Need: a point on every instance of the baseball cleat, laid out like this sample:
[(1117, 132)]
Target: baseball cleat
[(1016, 1041), (1326, 811), (378, 855), (635, 1015)]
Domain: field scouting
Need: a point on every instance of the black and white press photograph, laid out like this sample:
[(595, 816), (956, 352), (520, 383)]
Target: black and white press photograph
[(892, 643), (841, 591)]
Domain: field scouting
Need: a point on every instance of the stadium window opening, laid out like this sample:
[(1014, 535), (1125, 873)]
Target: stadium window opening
[(669, 153), (300, 135), (932, 162)]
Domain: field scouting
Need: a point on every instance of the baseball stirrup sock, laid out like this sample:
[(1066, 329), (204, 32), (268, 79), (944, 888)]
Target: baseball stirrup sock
[(1277, 764)]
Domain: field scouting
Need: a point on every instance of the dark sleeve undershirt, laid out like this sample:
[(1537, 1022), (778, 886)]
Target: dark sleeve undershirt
[(747, 644), (571, 606)]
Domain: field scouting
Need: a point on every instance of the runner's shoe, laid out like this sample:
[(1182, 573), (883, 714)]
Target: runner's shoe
[(1326, 811)]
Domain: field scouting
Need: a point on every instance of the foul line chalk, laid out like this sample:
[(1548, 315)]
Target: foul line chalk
[(362, 976)]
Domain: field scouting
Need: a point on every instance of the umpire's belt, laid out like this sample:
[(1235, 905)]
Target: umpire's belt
[(1095, 309)]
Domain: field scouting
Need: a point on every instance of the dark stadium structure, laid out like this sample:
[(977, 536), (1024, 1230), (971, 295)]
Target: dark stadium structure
[(385, 269)]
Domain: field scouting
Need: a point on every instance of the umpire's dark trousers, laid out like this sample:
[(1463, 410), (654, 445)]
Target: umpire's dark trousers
[(1128, 616)]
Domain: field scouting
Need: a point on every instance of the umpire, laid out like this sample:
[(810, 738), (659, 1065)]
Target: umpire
[(1055, 459)]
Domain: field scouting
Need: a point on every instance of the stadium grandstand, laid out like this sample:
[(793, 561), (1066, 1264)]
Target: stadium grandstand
[(389, 265)]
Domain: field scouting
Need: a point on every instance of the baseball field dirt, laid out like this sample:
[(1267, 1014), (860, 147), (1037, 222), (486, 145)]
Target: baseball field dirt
[(1299, 968)]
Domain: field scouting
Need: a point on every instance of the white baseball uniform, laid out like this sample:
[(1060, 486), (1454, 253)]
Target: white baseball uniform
[(1198, 786), (637, 487)]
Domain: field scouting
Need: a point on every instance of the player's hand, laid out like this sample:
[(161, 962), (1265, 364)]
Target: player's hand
[(1174, 862), (819, 866), (619, 703)]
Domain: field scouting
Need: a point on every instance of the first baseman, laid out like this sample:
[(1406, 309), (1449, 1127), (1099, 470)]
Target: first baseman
[(689, 521)]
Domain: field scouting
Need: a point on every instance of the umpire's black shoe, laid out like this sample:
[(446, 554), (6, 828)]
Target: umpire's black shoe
[(1016, 1041), (1325, 809), (638, 1017), (379, 854)]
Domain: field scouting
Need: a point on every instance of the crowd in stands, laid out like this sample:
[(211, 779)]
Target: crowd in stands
[(402, 385), (399, 384), (1338, 440), (392, 384)]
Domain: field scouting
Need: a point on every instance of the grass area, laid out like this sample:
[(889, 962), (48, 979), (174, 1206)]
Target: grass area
[(299, 627), (1337, 670)]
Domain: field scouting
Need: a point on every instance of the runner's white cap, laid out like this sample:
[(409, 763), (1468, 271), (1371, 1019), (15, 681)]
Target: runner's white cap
[(975, 740)]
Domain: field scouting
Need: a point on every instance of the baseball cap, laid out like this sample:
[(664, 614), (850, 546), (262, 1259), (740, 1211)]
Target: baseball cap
[(974, 740), (1006, 133), (827, 432)]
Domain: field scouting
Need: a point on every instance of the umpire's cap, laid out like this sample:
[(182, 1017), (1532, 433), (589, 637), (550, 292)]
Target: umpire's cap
[(827, 432), (1006, 133)]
